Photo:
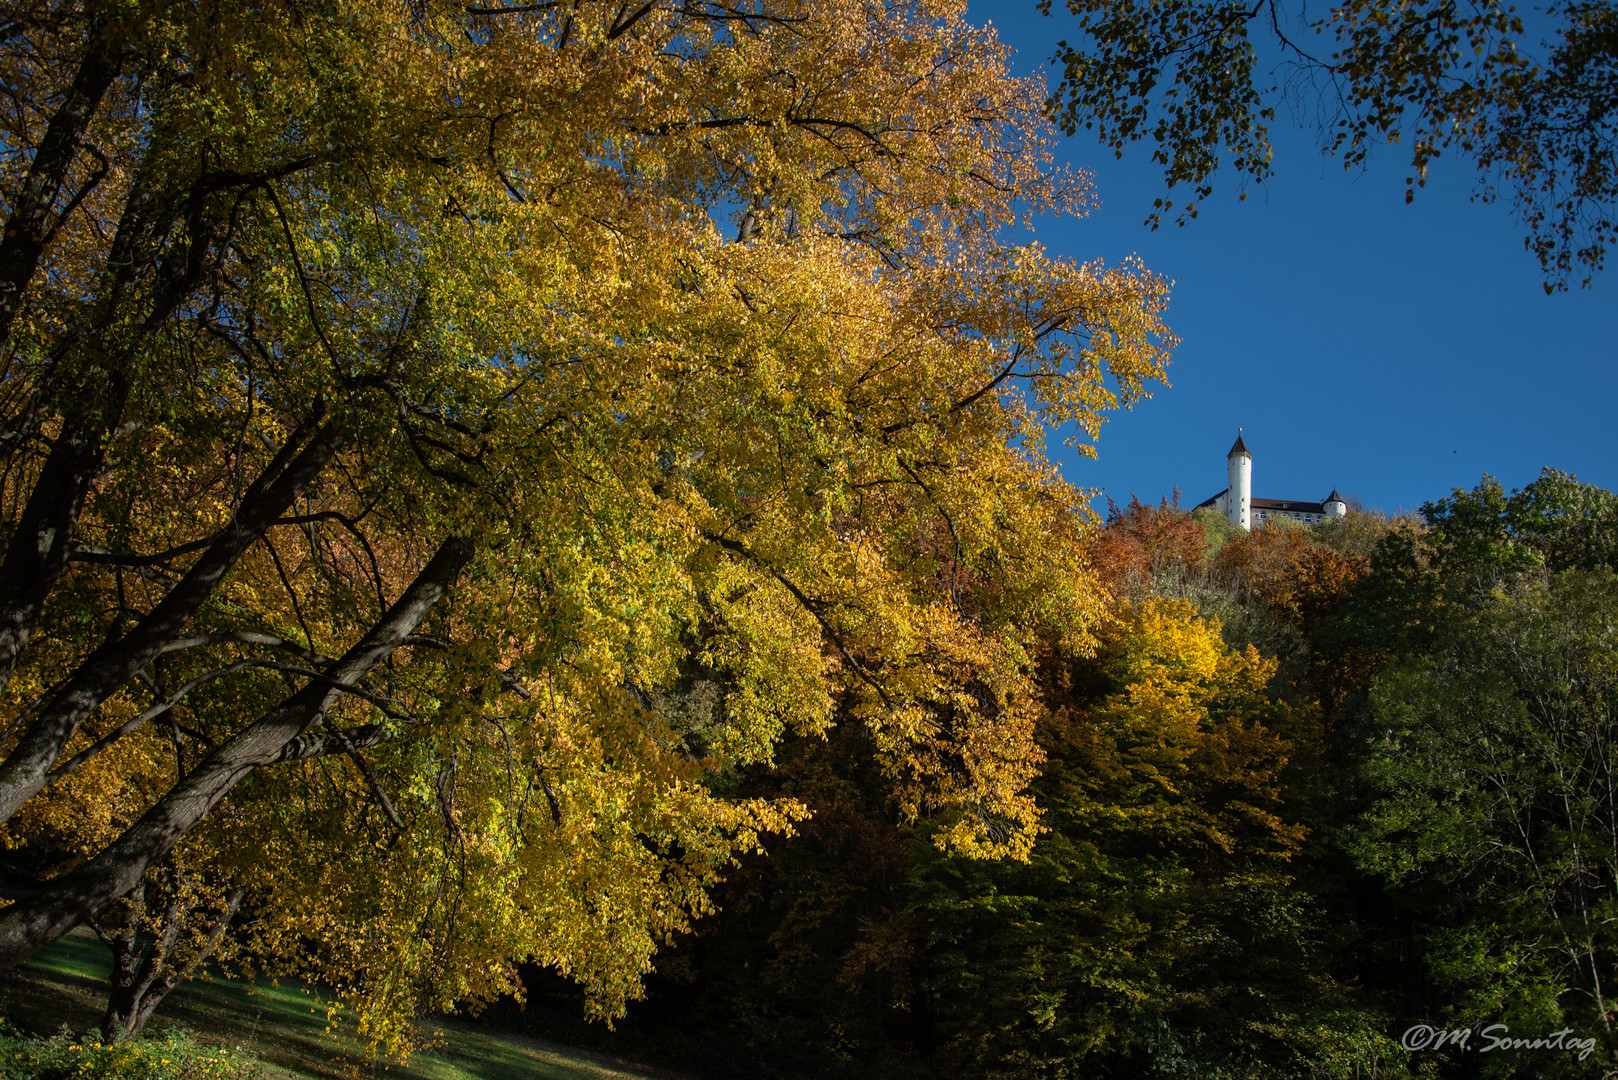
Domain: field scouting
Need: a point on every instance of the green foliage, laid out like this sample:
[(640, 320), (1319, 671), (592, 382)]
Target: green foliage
[(1216, 530), (1358, 532), (1496, 782), (1555, 522), (1436, 76), (173, 1055), (1158, 927), (1474, 544)]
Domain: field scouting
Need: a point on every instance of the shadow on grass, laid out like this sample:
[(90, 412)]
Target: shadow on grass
[(285, 1025)]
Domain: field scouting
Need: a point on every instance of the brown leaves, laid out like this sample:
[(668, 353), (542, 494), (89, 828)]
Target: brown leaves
[(1288, 571), (1139, 540)]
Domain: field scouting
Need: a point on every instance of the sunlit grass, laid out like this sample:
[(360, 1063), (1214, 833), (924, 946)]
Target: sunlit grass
[(285, 1025)]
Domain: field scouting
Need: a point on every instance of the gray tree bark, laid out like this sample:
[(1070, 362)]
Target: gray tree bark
[(26, 769), (63, 903)]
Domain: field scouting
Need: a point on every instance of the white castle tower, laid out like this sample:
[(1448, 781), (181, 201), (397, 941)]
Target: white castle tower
[(1244, 511), (1239, 495)]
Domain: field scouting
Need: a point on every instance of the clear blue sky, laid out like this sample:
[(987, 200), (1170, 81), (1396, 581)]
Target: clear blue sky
[(1392, 351)]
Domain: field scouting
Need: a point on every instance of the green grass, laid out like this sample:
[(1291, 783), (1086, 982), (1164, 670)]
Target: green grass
[(285, 1026)]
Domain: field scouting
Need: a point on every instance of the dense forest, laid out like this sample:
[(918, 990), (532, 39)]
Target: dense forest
[(550, 502), (1316, 791)]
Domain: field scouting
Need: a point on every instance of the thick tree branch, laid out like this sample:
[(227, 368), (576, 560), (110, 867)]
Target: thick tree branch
[(63, 903), (43, 536), (25, 770), (85, 553), (23, 241)]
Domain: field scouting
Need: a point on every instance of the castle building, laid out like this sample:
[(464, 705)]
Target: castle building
[(1237, 503)]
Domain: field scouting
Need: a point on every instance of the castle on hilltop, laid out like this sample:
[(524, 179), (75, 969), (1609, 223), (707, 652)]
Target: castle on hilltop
[(1237, 503)]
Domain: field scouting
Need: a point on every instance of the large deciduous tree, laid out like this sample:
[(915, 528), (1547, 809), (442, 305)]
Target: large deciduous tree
[(439, 437)]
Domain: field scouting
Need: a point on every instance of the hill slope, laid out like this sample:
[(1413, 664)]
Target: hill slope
[(284, 1025)]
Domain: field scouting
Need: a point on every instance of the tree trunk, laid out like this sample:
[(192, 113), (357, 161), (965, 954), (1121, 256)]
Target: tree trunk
[(65, 902), (44, 532), (26, 770), (145, 967), (123, 940)]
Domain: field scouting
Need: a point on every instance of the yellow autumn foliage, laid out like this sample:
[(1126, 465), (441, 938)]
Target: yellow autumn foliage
[(1189, 749), (685, 347)]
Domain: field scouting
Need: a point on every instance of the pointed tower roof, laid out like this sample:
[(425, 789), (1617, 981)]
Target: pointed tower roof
[(1334, 497), (1239, 447)]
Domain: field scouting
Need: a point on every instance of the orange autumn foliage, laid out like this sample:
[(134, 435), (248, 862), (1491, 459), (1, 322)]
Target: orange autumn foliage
[(1288, 571), (1140, 540)]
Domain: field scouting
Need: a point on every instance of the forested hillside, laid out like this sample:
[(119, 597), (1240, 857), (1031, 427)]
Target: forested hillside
[(1315, 788), (551, 500)]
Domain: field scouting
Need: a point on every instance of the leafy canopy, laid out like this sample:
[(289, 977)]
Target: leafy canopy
[(1535, 117), (442, 441)]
